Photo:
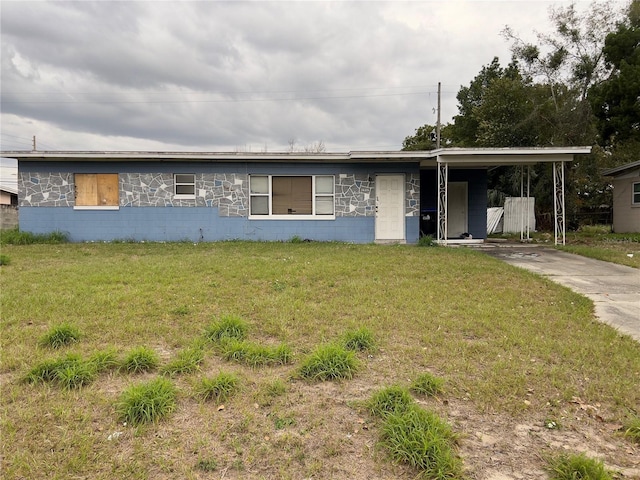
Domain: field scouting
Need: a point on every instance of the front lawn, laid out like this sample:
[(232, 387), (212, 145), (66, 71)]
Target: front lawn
[(515, 353)]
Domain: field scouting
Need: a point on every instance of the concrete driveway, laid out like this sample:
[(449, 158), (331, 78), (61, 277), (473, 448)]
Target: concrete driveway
[(614, 289)]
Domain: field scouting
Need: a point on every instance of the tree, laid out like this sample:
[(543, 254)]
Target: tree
[(425, 138), (615, 101)]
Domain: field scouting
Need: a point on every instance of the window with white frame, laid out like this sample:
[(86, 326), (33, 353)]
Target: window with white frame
[(292, 196), (636, 194), (184, 185)]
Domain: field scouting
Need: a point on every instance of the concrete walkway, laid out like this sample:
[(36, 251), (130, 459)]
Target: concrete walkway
[(614, 289)]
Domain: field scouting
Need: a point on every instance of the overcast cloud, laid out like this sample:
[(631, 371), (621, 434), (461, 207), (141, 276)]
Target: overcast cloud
[(226, 76)]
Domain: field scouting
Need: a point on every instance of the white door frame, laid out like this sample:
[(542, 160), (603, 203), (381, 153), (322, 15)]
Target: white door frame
[(391, 204)]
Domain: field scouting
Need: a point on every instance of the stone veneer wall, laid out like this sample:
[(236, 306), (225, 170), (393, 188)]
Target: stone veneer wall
[(354, 193), (412, 189), (226, 191), (355, 196), (45, 189)]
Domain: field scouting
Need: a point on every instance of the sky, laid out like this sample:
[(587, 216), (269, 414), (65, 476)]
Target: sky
[(243, 76)]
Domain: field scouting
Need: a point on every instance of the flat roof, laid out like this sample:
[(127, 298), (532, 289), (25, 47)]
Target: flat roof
[(478, 157)]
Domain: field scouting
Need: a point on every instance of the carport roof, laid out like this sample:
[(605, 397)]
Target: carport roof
[(464, 157)]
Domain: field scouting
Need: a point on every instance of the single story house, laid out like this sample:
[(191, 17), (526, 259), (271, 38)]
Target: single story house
[(359, 197), (626, 197)]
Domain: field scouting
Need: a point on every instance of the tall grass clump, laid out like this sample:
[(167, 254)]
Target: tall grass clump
[(104, 360), (427, 384), (226, 327), (576, 467), (218, 388), (359, 340), (422, 440), (187, 361), (16, 237), (255, 355), (68, 372), (415, 436), (147, 402), (632, 429), (60, 335), (389, 400), (4, 260), (140, 359), (329, 362)]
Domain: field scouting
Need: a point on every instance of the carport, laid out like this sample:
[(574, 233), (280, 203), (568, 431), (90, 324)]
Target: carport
[(445, 160)]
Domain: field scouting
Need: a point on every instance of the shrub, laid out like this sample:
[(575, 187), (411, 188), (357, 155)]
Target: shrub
[(389, 400), (329, 362), (427, 384), (4, 260), (218, 388), (140, 359), (60, 336), (187, 361), (147, 402), (255, 355), (227, 327), (358, 340), (424, 441), (576, 467)]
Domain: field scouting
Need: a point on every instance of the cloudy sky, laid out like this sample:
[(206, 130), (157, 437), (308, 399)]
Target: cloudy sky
[(243, 76)]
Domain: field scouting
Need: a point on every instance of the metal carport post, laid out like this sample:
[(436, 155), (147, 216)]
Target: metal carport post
[(443, 181)]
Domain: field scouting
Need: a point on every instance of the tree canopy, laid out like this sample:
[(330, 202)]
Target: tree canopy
[(579, 84)]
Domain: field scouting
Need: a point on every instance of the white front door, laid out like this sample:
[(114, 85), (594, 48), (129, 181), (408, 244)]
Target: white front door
[(457, 201), (390, 207)]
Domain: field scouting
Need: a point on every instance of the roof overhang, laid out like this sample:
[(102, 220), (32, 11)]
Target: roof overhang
[(621, 170), (491, 157), (463, 157)]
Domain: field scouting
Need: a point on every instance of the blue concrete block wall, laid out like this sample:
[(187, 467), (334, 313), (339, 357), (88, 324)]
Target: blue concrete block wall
[(192, 224)]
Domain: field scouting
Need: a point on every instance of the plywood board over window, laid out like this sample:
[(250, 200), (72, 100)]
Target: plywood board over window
[(96, 189)]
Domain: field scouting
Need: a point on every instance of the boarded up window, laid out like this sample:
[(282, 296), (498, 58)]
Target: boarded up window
[(96, 189), (291, 196)]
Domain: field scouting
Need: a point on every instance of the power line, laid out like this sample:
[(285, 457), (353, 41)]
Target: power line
[(231, 100)]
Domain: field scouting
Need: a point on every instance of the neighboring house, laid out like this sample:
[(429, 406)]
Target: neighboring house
[(8, 196), (626, 197), (358, 197)]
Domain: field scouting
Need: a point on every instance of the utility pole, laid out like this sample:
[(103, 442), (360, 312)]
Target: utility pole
[(34, 143), (438, 121)]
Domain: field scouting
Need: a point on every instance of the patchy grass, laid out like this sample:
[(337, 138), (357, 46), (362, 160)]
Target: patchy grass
[(596, 242), (514, 349), (254, 354)]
